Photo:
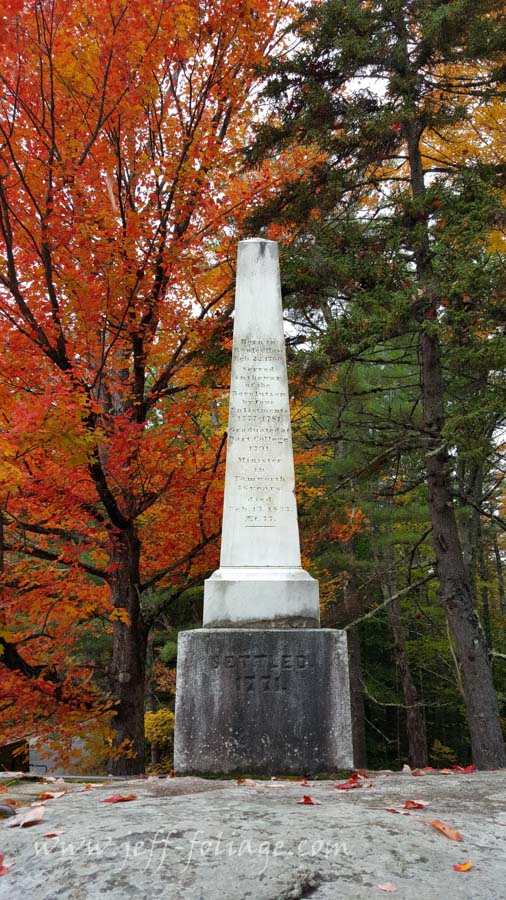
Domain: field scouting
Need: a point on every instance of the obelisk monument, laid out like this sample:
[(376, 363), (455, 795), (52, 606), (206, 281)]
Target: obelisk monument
[(261, 688), (260, 582)]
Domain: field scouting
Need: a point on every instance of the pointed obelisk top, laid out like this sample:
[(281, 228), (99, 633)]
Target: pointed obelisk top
[(260, 512), (260, 537)]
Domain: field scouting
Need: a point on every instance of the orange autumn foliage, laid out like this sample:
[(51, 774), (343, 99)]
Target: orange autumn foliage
[(121, 130)]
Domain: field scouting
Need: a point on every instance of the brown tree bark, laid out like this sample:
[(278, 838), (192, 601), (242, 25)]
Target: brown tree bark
[(456, 591), (128, 656), (352, 605), (415, 721), (500, 577)]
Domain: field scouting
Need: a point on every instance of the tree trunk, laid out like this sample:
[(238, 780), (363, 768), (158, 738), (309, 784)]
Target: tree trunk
[(355, 672), (415, 721), (128, 656), (455, 589), (416, 732), (471, 484), (500, 577), (456, 592), (356, 699), (485, 601)]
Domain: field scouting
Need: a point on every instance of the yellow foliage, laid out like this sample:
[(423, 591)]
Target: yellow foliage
[(119, 614), (159, 727)]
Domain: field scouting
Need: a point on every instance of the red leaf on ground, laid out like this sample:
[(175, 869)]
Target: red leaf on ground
[(418, 772), (445, 829), (55, 833), (120, 798), (414, 804), (463, 867), (466, 770), (355, 781), (308, 801), (48, 795), (4, 867), (391, 809)]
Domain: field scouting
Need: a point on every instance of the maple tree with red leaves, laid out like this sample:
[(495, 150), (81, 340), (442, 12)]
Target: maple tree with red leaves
[(121, 128)]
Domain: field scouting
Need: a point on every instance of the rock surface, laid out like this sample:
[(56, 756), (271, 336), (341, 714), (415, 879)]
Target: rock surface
[(192, 839)]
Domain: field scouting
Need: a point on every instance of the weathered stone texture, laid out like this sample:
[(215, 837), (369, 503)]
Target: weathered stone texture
[(262, 702)]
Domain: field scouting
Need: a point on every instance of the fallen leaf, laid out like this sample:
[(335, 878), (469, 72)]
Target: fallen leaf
[(120, 798), (4, 867), (463, 867), (387, 887), (356, 781), (418, 772), (391, 809), (31, 816), (445, 772), (445, 829), (48, 795), (304, 782), (414, 804), (55, 833), (466, 770), (308, 801), (3, 789)]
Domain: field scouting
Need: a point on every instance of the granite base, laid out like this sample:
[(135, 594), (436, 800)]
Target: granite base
[(262, 702)]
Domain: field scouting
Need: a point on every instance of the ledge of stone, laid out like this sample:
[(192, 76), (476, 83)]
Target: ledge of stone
[(188, 839)]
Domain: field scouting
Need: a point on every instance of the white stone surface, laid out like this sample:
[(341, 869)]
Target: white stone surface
[(260, 579), (262, 597)]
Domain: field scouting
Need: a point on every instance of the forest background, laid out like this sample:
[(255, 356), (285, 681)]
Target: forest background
[(138, 143)]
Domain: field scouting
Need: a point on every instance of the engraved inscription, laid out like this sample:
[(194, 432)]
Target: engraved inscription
[(259, 672), (259, 434)]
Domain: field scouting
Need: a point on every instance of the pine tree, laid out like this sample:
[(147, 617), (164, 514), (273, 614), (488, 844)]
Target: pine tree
[(400, 239)]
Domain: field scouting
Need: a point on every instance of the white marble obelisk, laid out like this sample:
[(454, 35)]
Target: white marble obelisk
[(260, 582), (261, 688)]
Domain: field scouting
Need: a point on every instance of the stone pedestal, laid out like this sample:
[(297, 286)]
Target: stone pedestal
[(264, 702)]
